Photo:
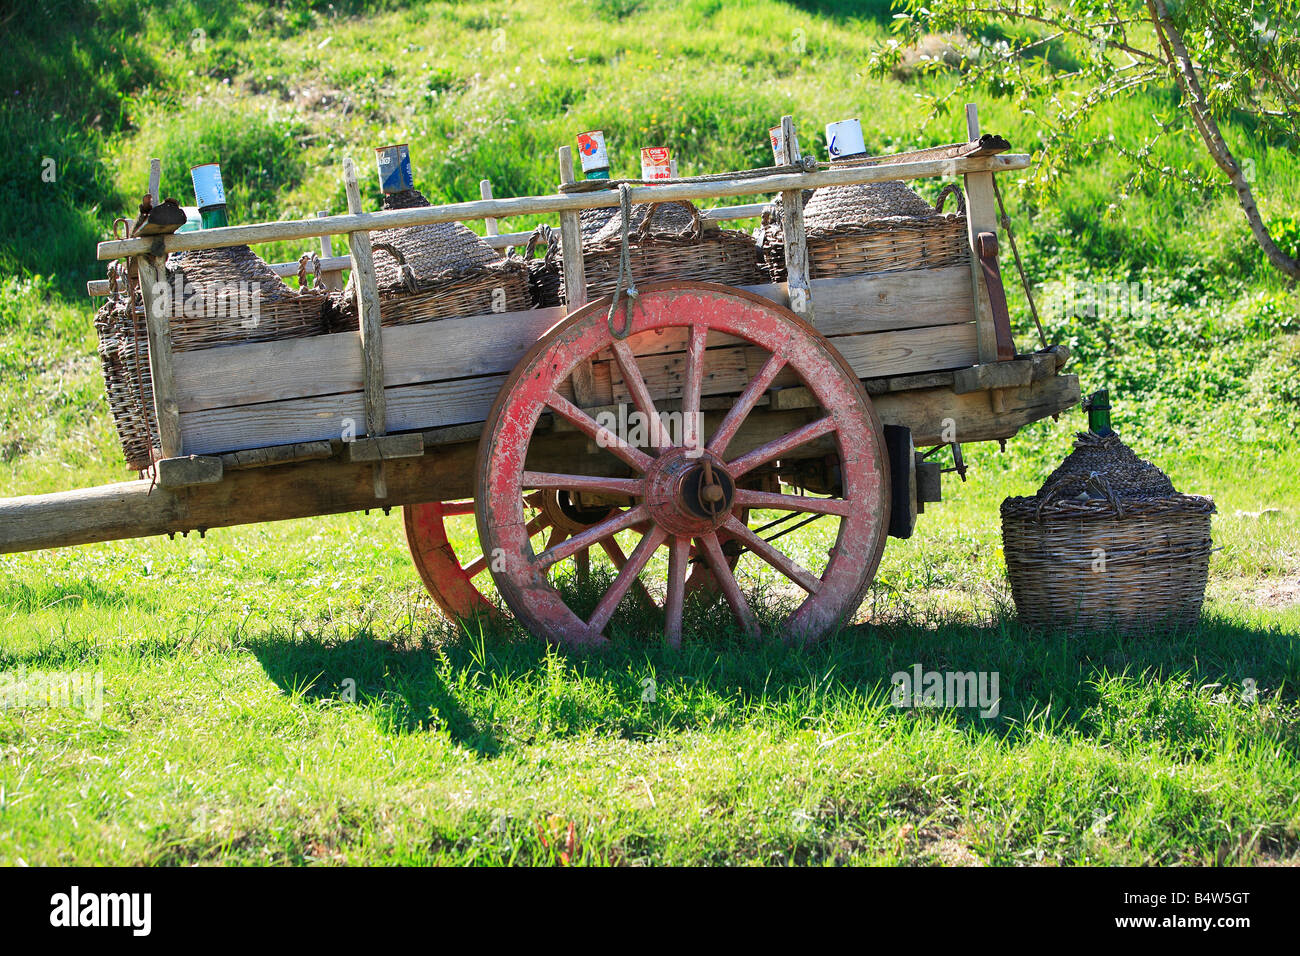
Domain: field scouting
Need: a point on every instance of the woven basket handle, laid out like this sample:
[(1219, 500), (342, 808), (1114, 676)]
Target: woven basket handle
[(546, 234), (408, 277), (952, 189), (694, 232)]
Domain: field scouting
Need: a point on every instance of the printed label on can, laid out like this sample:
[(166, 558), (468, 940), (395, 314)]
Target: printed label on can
[(394, 163), (591, 150), (844, 139), (778, 148), (208, 189), (656, 163)]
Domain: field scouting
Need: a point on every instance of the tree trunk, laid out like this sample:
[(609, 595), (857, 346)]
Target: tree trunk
[(1189, 82)]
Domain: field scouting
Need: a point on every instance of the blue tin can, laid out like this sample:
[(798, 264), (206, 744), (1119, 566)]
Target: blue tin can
[(394, 164)]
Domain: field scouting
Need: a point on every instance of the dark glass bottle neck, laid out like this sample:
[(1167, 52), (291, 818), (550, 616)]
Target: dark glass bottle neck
[(213, 217)]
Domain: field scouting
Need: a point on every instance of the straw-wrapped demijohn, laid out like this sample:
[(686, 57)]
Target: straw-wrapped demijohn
[(870, 227), (430, 272), (1107, 542)]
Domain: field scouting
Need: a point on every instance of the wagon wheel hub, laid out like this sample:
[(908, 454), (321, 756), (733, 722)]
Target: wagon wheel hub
[(689, 492)]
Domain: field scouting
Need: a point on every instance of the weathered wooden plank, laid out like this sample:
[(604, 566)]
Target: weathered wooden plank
[(575, 279), (277, 455), (888, 300), (494, 343), (190, 470), (139, 509), (995, 375), (161, 370), (331, 266), (981, 216), (386, 447), (371, 329), (435, 404), (792, 230), (330, 364)]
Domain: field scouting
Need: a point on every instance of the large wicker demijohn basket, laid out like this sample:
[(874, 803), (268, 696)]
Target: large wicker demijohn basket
[(431, 272), (1107, 542)]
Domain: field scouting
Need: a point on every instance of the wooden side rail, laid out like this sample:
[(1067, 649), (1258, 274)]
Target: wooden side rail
[(570, 202)]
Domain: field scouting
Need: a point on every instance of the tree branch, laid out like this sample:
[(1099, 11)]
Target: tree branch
[(1184, 70)]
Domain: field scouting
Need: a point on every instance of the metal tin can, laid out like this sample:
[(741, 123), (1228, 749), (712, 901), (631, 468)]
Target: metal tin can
[(208, 189), (845, 139), (591, 150), (656, 163), (778, 148), (394, 164)]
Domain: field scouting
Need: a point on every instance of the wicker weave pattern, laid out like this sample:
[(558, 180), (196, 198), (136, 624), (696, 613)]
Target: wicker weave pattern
[(1107, 542), (427, 273), (209, 275), (851, 231), (124, 359), (668, 242), (1154, 572)]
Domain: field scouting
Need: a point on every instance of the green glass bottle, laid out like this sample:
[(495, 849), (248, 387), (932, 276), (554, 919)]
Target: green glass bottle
[(209, 195), (1098, 406)]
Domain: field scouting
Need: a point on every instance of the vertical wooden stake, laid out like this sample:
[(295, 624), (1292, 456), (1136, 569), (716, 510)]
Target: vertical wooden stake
[(152, 275), (333, 281), (372, 345), (796, 241), (155, 181), (981, 216), (575, 279), (485, 191)]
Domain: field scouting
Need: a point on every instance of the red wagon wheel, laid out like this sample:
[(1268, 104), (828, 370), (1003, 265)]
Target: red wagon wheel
[(684, 491), (455, 583)]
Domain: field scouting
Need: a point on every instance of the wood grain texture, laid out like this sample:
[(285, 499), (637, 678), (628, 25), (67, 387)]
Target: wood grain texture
[(981, 216), (371, 329), (161, 370), (440, 403), (492, 344)]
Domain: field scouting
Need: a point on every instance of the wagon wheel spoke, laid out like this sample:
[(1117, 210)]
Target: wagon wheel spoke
[(610, 600), (780, 446), (561, 549), (694, 385), (601, 435), (775, 501), (748, 398), (776, 558), (618, 486), (610, 547), (727, 582), (679, 550), (636, 386), (456, 508)]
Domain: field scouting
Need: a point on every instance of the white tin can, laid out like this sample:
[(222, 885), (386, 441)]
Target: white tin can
[(844, 139)]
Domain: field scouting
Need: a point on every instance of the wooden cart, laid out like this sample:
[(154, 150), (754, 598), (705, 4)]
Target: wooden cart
[(754, 402)]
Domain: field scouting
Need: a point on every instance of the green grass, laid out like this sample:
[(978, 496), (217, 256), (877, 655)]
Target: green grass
[(287, 692)]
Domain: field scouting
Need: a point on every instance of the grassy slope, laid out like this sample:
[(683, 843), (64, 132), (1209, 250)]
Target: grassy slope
[(226, 735)]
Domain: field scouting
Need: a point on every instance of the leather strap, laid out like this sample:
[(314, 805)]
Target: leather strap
[(987, 246)]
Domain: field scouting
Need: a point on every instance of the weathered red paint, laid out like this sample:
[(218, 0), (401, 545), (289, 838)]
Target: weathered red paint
[(661, 516)]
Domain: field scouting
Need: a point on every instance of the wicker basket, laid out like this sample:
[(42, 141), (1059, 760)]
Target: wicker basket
[(208, 307), (439, 271), (124, 359), (876, 227), (1107, 543), (668, 242), (207, 315)]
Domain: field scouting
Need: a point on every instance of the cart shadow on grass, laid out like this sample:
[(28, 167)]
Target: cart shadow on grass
[(492, 688)]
